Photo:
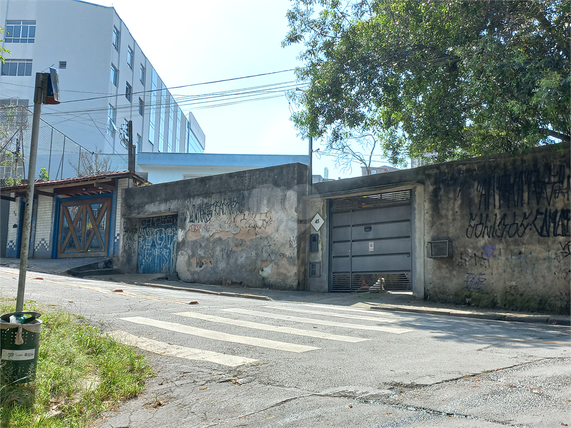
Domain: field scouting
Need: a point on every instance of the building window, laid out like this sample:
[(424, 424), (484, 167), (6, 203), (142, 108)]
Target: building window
[(139, 143), (111, 117), (141, 107), (17, 67), (130, 57), (20, 31), (128, 91), (142, 74), (62, 65), (114, 74), (116, 35)]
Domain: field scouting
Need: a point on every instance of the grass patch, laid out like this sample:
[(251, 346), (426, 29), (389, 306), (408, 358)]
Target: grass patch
[(81, 373)]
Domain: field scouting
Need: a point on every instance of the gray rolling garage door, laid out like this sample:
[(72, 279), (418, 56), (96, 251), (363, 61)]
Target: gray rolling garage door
[(371, 238)]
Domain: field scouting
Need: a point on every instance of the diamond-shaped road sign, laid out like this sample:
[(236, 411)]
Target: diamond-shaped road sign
[(317, 222)]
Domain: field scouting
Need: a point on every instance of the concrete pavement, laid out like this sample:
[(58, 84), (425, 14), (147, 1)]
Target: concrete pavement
[(384, 301)]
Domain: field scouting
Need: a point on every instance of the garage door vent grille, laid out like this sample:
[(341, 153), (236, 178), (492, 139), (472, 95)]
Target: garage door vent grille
[(343, 282), (370, 201)]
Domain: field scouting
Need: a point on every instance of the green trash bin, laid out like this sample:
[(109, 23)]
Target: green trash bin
[(19, 345)]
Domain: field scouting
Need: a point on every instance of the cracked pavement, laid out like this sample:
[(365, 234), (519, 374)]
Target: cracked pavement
[(441, 372)]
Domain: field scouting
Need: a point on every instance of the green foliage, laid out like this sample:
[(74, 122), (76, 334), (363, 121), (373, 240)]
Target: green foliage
[(80, 374), (2, 50), (44, 175), (448, 78)]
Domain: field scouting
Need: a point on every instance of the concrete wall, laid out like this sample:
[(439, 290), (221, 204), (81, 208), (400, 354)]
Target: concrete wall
[(508, 220), (240, 228)]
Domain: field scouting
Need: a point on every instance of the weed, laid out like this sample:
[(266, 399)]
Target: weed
[(80, 374)]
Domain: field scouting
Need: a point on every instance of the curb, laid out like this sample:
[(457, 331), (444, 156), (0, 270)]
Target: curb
[(198, 290), (539, 319)]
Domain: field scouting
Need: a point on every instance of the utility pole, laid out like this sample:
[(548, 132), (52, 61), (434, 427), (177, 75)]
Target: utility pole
[(130, 147), (46, 92), (310, 169)]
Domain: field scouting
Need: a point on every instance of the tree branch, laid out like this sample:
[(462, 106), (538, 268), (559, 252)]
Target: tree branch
[(558, 135)]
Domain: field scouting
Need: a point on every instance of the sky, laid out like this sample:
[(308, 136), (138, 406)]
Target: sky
[(195, 41)]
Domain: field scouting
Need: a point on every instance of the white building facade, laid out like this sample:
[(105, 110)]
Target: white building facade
[(105, 78)]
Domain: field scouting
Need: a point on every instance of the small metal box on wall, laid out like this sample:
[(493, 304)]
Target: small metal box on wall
[(440, 249)]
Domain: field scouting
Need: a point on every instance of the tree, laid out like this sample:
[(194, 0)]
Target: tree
[(92, 163), (448, 78), (13, 125), (350, 146)]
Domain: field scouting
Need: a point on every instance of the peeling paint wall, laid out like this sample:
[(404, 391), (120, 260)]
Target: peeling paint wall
[(509, 222), (239, 228)]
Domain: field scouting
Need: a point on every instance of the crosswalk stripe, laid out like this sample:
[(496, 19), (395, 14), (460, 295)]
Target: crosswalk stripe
[(395, 330), (216, 335), (163, 348), (266, 327), (332, 314)]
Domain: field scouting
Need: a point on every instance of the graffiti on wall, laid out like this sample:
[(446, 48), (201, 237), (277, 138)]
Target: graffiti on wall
[(475, 281), (519, 189), (157, 245), (564, 252), (517, 203), (205, 211), (492, 261), (545, 222), (244, 225)]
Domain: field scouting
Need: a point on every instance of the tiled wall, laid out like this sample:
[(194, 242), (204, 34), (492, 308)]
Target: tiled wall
[(116, 243), (44, 227), (12, 241)]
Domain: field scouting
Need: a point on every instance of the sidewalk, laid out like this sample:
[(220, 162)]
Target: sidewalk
[(385, 301)]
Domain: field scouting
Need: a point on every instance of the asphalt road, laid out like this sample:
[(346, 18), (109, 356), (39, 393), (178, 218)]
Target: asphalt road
[(234, 362)]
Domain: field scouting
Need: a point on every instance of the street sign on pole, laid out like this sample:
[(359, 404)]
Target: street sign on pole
[(46, 84), (52, 96)]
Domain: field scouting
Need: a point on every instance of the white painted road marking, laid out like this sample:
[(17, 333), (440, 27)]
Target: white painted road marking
[(266, 327), (163, 348), (332, 314), (215, 335), (394, 330)]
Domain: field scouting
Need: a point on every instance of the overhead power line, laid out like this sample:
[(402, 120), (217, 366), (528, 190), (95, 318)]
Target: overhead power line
[(207, 100), (185, 86)]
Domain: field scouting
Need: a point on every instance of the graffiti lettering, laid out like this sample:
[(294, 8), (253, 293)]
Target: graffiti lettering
[(474, 282), (157, 249), (523, 188), (480, 261), (204, 211), (216, 224), (257, 222), (565, 251), (546, 222)]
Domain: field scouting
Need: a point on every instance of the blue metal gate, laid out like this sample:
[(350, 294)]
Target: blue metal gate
[(157, 244)]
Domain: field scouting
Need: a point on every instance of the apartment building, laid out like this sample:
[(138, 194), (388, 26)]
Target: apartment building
[(105, 79)]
